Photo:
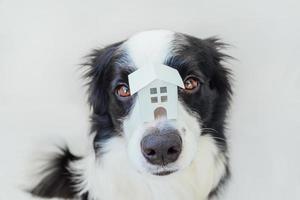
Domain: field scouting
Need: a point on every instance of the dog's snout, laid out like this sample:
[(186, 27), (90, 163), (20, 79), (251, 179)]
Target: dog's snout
[(161, 149)]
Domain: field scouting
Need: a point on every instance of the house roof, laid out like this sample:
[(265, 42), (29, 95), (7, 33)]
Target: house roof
[(149, 73)]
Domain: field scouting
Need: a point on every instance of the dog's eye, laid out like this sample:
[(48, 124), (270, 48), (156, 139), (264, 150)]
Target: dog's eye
[(191, 83), (123, 90)]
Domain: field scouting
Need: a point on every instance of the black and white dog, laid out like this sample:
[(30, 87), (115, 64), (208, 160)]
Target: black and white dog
[(152, 161)]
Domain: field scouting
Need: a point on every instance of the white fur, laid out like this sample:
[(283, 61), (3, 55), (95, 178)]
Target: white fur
[(149, 47), (112, 177)]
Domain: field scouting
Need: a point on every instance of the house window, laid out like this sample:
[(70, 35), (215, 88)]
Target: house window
[(153, 91), (154, 99), (164, 98), (163, 89), (161, 97)]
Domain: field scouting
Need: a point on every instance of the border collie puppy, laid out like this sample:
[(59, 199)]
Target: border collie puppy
[(186, 160)]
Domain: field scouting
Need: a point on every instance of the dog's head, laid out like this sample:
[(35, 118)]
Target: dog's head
[(161, 146)]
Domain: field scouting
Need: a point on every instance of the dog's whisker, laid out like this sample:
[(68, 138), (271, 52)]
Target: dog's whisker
[(218, 138), (210, 129)]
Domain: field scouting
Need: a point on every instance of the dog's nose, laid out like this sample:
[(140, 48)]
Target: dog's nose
[(161, 149)]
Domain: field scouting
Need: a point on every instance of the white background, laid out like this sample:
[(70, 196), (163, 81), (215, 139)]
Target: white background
[(42, 96)]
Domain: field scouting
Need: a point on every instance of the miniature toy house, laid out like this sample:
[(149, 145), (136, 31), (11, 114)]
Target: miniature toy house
[(156, 86)]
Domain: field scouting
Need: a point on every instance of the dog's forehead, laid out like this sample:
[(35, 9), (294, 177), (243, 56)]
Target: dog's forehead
[(149, 47)]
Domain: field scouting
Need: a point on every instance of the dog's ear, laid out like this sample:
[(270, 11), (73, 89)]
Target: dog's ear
[(98, 97), (57, 181), (221, 75), (209, 56), (220, 81), (100, 61)]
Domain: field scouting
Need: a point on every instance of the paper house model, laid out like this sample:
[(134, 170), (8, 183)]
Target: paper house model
[(156, 86)]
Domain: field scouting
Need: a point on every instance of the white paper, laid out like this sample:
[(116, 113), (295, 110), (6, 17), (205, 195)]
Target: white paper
[(156, 86)]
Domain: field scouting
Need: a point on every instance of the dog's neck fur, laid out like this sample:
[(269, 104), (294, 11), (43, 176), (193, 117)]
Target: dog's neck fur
[(105, 178)]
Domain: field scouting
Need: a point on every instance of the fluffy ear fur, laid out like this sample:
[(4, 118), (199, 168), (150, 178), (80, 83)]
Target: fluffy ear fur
[(221, 75), (57, 180), (221, 81), (98, 98), (208, 52)]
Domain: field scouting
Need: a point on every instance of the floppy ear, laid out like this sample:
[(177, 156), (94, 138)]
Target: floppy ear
[(220, 81), (98, 98), (221, 75)]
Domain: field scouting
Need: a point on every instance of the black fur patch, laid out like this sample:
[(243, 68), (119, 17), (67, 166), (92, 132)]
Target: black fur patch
[(106, 109), (57, 180), (204, 58)]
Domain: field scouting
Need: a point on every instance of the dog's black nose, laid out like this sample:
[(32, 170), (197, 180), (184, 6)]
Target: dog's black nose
[(161, 149)]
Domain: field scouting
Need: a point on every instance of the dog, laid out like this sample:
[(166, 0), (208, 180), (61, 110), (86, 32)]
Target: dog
[(187, 160)]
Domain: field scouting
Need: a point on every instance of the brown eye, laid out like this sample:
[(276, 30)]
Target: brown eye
[(191, 83), (123, 91)]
